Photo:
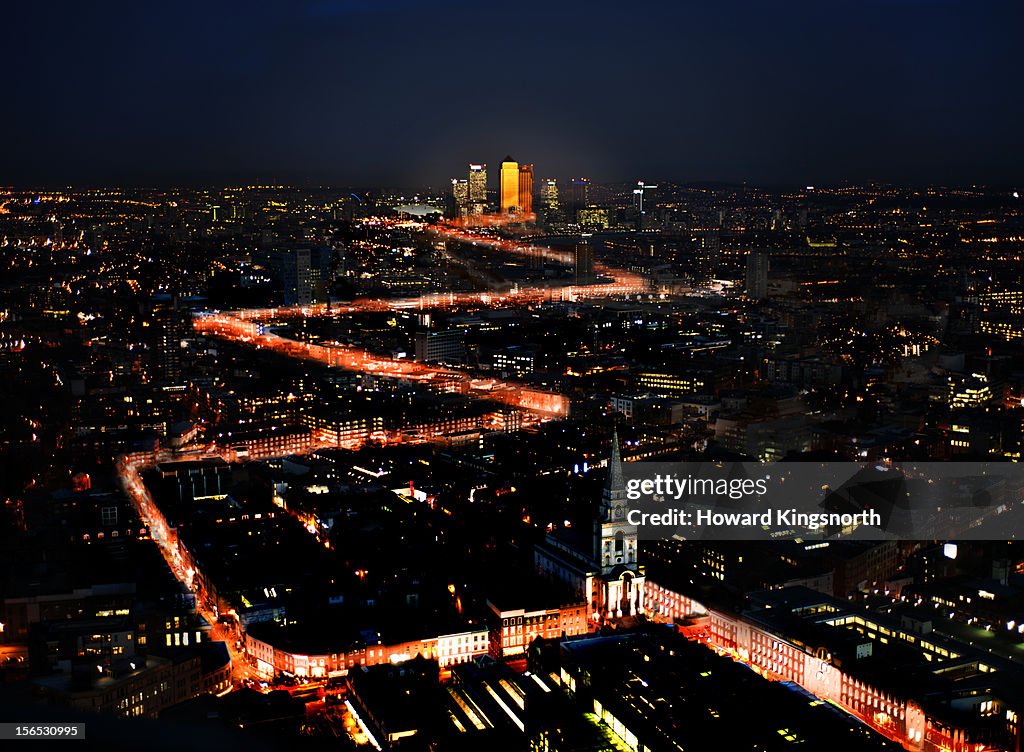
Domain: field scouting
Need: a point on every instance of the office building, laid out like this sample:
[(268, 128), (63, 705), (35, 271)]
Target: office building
[(526, 188), (395, 702), (477, 189), (302, 273), (654, 690), (757, 275), (549, 194), (515, 361), (583, 261), (576, 197), (644, 197), (707, 256), (137, 687), (445, 346), (509, 188), (459, 198)]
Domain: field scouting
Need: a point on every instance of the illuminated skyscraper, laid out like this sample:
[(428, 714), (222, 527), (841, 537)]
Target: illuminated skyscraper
[(549, 194), (550, 204), (526, 188), (644, 197), (460, 197), (174, 330), (477, 200), (509, 188)]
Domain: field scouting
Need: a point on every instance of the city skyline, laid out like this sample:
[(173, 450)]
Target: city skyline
[(307, 453)]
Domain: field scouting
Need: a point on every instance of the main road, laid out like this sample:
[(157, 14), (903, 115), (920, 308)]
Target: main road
[(244, 326)]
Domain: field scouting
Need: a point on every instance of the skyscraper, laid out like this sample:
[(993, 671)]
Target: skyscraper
[(644, 198), (303, 272), (460, 197), (550, 204), (526, 188), (549, 195), (706, 256), (576, 197), (757, 275), (173, 331), (292, 267), (583, 261), (477, 200), (509, 188)]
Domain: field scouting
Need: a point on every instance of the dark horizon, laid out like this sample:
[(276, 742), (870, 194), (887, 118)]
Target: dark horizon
[(997, 188), (399, 92)]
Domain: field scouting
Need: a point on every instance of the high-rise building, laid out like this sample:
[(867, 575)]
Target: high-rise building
[(459, 198), (583, 261), (509, 188), (477, 199), (707, 256), (173, 331), (549, 195), (757, 275), (460, 189), (593, 218), (778, 220), (302, 273), (550, 204), (526, 188), (644, 197), (576, 197), (292, 268)]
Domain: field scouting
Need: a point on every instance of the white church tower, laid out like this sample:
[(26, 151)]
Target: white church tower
[(603, 571), (621, 580)]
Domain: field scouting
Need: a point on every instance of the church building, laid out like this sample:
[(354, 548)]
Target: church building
[(601, 568)]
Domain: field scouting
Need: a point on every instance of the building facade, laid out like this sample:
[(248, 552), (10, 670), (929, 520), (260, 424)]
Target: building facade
[(526, 188), (508, 193), (477, 189), (608, 574)]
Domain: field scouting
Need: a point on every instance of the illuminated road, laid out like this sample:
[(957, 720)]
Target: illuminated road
[(537, 401), (149, 512), (245, 326)]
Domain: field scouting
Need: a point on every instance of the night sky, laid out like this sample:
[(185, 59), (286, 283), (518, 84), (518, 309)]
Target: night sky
[(398, 92)]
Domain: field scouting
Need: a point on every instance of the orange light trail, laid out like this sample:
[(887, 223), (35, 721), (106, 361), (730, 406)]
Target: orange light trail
[(228, 326), (245, 325)]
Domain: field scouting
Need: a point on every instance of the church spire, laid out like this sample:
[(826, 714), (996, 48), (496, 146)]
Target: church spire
[(615, 480)]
